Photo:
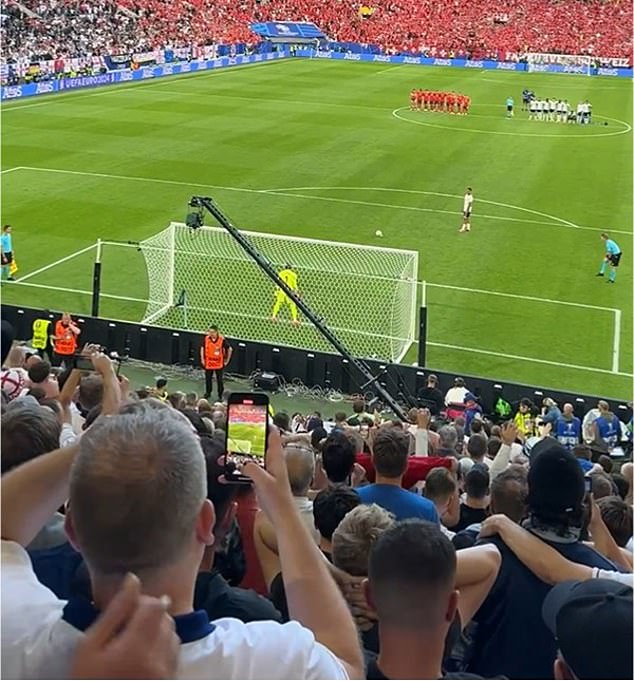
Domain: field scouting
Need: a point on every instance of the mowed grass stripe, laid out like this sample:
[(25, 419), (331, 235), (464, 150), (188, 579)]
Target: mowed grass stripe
[(243, 143)]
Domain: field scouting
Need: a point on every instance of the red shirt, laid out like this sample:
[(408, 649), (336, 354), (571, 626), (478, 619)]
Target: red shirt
[(417, 467)]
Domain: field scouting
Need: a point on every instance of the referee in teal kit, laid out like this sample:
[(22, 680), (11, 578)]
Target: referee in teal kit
[(7, 252), (612, 257)]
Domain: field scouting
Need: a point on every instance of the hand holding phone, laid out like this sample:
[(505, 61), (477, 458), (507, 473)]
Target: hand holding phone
[(246, 434), (271, 483)]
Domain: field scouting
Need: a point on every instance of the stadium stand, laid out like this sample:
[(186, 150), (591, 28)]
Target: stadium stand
[(35, 29), (141, 469), (161, 528)]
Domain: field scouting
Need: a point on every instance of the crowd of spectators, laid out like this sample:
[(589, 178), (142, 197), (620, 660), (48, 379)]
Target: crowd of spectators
[(368, 547), (37, 29)]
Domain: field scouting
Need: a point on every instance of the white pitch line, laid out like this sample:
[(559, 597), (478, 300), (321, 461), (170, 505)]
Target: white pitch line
[(277, 192), (521, 358), (616, 342), (54, 264), (286, 192), (515, 295), (10, 170), (560, 221), (625, 131), (85, 293), (389, 68), (131, 86)]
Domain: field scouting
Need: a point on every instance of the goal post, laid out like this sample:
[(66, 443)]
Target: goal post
[(367, 295)]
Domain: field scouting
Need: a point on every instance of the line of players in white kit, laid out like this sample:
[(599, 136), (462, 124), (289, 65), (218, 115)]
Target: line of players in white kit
[(560, 111)]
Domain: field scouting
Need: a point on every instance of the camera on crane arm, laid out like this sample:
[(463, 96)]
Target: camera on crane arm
[(196, 217)]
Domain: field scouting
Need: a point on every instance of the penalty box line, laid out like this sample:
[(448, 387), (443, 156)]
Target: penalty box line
[(532, 360), (56, 263), (615, 313)]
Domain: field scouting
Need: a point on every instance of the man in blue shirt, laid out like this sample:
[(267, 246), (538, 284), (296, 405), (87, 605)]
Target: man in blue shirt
[(568, 428), (7, 252), (612, 257), (607, 427), (389, 456)]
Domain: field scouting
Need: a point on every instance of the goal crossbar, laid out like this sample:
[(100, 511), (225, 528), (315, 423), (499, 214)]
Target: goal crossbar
[(367, 293)]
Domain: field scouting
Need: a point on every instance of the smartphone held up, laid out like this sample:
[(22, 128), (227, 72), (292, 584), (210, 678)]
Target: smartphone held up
[(246, 434)]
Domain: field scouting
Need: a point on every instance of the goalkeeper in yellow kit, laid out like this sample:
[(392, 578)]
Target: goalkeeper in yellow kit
[(289, 277)]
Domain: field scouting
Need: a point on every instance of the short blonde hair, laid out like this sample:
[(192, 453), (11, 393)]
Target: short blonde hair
[(355, 535), (136, 488)]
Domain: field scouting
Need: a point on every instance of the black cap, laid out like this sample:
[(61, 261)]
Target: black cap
[(555, 481), (592, 622)]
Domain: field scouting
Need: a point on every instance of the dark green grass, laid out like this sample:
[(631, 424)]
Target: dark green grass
[(317, 124)]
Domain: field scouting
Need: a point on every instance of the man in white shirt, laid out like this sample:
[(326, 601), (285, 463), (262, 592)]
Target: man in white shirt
[(137, 492), (456, 394), (466, 210), (561, 112), (532, 109)]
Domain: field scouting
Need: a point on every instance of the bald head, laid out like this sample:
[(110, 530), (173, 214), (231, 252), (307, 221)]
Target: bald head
[(568, 409), (300, 463), (136, 489)]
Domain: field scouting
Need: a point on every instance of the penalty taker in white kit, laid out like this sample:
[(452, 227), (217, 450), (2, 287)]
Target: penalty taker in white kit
[(289, 277), (466, 211)]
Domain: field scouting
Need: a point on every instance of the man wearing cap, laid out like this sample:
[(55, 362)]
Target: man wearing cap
[(510, 638), (430, 396), (454, 399), (592, 622)]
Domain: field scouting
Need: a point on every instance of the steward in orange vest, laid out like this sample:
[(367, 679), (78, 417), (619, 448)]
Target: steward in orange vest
[(65, 338), (215, 354)]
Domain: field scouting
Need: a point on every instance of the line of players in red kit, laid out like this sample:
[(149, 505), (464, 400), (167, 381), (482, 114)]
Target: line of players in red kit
[(430, 100)]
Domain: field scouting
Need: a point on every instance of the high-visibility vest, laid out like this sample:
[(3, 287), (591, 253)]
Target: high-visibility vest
[(40, 333), (214, 354), (66, 343)]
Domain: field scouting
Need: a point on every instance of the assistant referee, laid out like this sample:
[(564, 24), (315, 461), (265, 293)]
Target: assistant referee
[(612, 257), (7, 252)]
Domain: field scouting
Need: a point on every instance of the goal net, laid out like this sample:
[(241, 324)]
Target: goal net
[(366, 295), (572, 63)]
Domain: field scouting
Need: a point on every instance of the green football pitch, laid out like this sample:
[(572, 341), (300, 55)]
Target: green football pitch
[(329, 150)]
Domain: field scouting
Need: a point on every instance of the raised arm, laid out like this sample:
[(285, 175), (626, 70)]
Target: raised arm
[(312, 595), (423, 417), (503, 457), (32, 492), (111, 390)]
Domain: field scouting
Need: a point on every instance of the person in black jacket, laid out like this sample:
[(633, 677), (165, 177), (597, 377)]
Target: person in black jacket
[(430, 396)]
